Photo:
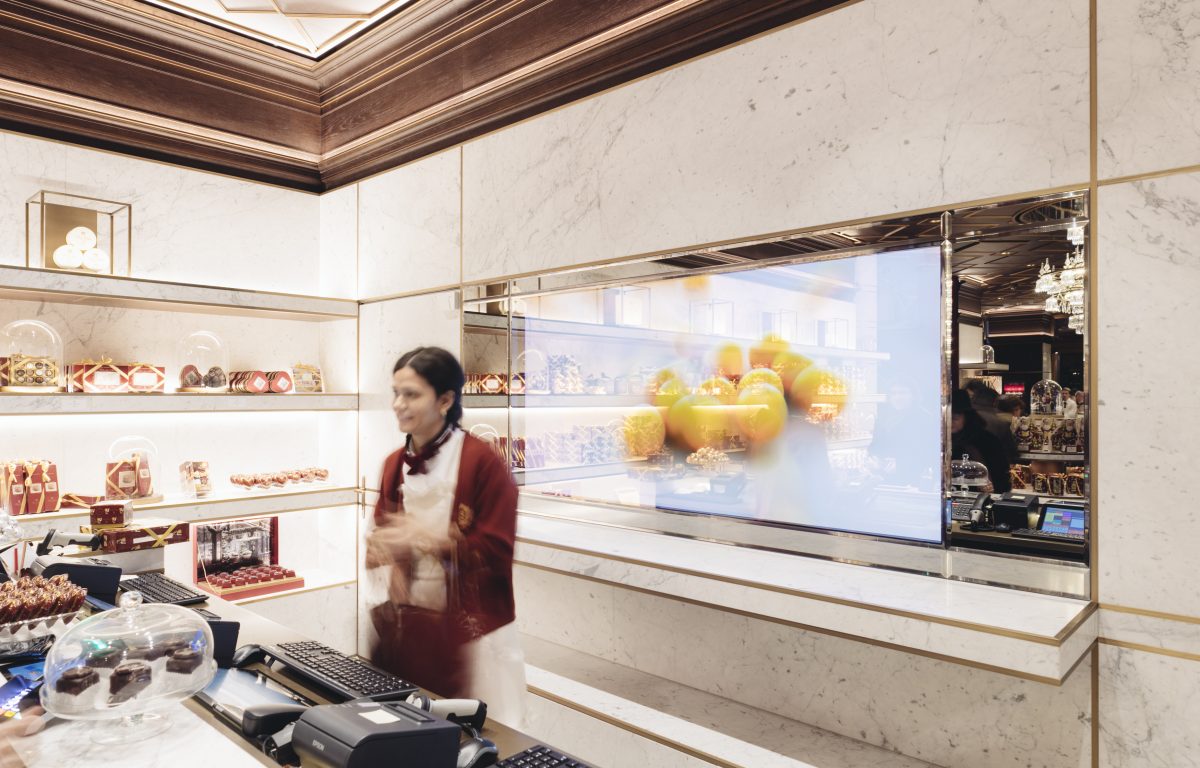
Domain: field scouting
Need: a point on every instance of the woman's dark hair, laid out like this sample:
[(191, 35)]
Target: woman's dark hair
[(443, 372)]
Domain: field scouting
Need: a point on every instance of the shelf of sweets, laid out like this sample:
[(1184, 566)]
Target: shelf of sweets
[(478, 321), (314, 580), (613, 401), (48, 404), (23, 283), (235, 502)]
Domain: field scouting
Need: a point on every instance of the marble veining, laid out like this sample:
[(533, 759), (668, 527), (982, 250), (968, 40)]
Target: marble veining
[(408, 227), (1148, 710), (879, 107), (1167, 634), (1148, 55), (326, 615), (1148, 281)]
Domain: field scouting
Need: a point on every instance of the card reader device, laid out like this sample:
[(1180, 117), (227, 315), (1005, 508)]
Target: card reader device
[(371, 734)]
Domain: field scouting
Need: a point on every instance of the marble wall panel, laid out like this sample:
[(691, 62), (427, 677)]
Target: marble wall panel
[(388, 329), (1148, 710), (1148, 277), (1148, 58), (408, 227), (879, 107), (188, 226), (1152, 631), (327, 615), (570, 612), (339, 243)]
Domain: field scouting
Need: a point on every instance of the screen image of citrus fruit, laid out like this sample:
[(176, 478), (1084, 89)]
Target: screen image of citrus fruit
[(806, 389), (720, 388), (789, 365), (730, 361), (761, 413), (669, 392), (762, 354), (644, 431), (696, 420), (761, 376)]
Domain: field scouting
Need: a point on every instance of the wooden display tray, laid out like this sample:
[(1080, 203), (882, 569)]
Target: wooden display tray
[(253, 590)]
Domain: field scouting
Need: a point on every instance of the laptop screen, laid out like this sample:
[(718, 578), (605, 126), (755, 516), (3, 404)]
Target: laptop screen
[(1068, 520)]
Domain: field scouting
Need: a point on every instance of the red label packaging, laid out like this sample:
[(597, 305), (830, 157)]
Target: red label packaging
[(145, 535), (253, 382), (120, 480), (144, 377), (281, 382), (97, 377), (110, 514), (41, 487), (12, 491), (141, 469)]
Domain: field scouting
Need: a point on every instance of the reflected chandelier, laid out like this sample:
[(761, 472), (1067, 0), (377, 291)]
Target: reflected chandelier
[(1064, 289)]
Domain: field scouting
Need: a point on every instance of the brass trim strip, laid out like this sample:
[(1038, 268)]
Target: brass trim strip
[(410, 294), (1094, 652), (1056, 641), (1179, 617), (631, 728), (1091, 284), (1077, 622), (1181, 170), (1151, 649), (807, 627)]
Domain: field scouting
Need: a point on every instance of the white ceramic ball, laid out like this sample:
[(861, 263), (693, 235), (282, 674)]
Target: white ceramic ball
[(82, 238), (68, 257), (95, 259)]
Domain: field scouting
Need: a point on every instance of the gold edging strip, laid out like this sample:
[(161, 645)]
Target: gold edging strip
[(1151, 649), (1179, 617), (1094, 652), (412, 293), (1091, 348), (631, 728), (1179, 171), (1077, 622), (1057, 640), (809, 628)]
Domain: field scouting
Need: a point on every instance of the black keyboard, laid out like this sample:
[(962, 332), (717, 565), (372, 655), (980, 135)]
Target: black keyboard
[(1066, 538), (540, 757), (156, 588), (344, 675)]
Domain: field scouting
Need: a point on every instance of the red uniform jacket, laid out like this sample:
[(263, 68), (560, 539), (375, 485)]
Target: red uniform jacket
[(427, 649)]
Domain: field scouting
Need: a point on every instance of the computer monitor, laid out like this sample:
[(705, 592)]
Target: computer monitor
[(1071, 521)]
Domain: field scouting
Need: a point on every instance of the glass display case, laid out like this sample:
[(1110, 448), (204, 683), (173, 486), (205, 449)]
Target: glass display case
[(203, 363), (31, 358), (74, 233), (240, 558), (133, 471), (798, 393), (1046, 396)]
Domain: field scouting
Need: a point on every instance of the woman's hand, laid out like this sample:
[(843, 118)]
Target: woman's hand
[(31, 721), (400, 536)]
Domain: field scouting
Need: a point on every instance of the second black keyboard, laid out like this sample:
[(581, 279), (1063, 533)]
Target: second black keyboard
[(345, 675), (540, 756), (157, 588)]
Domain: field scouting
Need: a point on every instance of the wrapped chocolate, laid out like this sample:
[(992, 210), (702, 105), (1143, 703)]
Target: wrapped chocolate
[(193, 476), (120, 479), (251, 382), (147, 534), (78, 501), (27, 371), (307, 378), (105, 515), (97, 377), (280, 382), (215, 378), (41, 487), (12, 487), (144, 479), (145, 377), (190, 378)]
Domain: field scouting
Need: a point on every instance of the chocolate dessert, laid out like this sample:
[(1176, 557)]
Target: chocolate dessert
[(105, 658), (128, 680), (184, 660), (76, 680)]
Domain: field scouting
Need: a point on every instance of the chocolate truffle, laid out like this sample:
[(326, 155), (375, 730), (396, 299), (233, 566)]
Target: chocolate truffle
[(76, 680), (105, 658), (128, 680), (184, 660)]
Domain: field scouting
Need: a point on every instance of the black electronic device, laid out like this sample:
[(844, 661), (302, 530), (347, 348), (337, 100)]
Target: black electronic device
[(469, 712), (157, 588), (367, 734), (267, 719), (1003, 528), (345, 676), (278, 746), (1064, 523), (476, 751), (540, 756), (225, 638), (1014, 510), (233, 692), (967, 507)]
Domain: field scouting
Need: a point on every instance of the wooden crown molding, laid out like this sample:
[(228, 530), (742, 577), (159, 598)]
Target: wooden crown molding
[(129, 76)]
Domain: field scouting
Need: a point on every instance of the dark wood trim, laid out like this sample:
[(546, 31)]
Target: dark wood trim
[(392, 94)]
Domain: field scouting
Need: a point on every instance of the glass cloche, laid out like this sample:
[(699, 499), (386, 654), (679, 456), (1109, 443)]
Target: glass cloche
[(967, 474), (1046, 397), (133, 470), (31, 357), (203, 362), (124, 663)]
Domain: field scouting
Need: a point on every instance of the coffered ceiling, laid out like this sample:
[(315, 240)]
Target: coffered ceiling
[(308, 27)]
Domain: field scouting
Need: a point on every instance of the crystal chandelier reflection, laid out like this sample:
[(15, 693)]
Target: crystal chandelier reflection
[(1064, 289)]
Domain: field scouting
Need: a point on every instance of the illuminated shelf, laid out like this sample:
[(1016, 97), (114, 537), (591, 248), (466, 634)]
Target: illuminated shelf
[(175, 402), (22, 283), (480, 322), (314, 580), (1036, 456), (842, 445), (239, 504)]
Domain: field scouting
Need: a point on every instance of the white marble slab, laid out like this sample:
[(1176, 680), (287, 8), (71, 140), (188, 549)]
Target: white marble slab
[(408, 227), (1148, 710), (188, 226), (1149, 294), (339, 243), (1148, 59), (325, 615), (714, 725), (1151, 631), (875, 108)]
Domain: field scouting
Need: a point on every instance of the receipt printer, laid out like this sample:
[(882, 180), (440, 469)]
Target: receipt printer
[(370, 734)]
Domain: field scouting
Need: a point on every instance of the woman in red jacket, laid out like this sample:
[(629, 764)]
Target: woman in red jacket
[(443, 541)]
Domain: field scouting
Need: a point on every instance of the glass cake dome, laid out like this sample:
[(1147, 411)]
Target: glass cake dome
[(1046, 397), (203, 362), (124, 663), (965, 473), (31, 357)]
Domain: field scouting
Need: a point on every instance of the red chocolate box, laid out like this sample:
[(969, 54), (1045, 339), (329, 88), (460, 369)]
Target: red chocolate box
[(120, 480), (147, 534), (41, 487), (12, 487), (97, 377), (110, 514), (144, 377)]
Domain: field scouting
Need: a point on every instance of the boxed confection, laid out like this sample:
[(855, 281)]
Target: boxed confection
[(105, 515), (120, 479), (41, 487), (145, 534), (97, 377), (145, 377), (193, 476), (12, 487)]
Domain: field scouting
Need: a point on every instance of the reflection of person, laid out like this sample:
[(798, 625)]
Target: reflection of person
[(443, 539), (1010, 408), (900, 423), (970, 437), (984, 400)]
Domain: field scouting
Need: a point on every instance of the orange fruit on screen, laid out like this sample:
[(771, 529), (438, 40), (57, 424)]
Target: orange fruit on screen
[(761, 413), (789, 365), (761, 376), (695, 420), (805, 388), (730, 361), (669, 392), (720, 388), (762, 354)]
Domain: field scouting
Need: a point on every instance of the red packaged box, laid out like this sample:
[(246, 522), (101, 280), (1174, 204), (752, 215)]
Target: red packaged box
[(147, 534), (3, 371), (253, 382), (281, 382), (120, 480), (144, 377), (110, 514), (12, 487), (144, 480), (41, 487), (97, 377)]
